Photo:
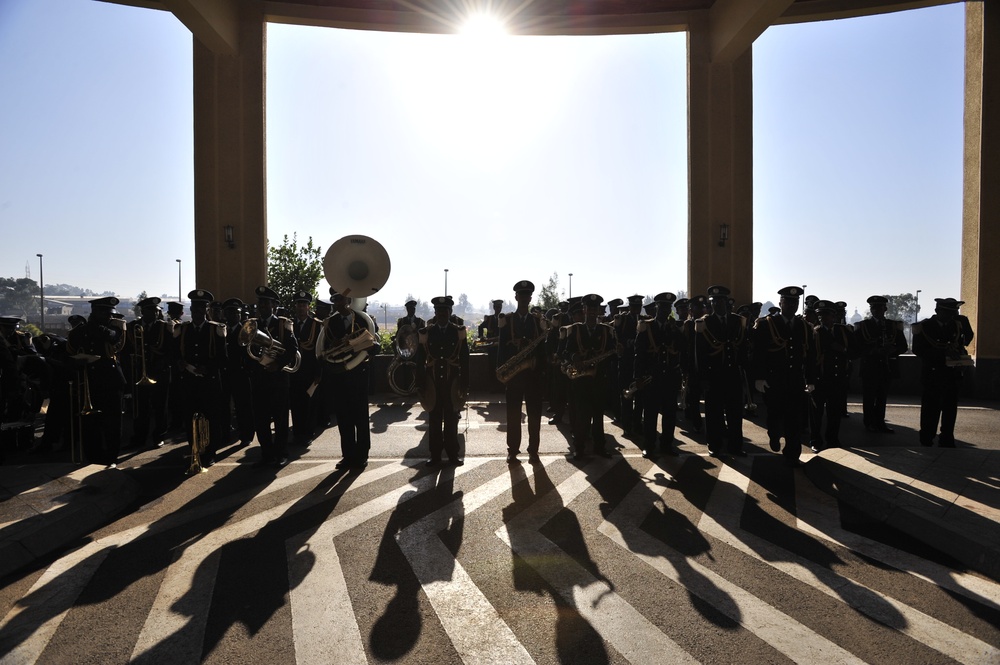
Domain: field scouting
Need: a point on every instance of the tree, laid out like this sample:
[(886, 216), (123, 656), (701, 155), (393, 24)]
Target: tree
[(901, 308), (462, 306), (17, 296), (292, 268), (548, 297), (136, 310)]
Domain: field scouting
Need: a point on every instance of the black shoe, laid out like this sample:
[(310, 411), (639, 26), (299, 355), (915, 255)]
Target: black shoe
[(793, 463), (343, 464), (261, 463), (280, 463), (533, 458), (884, 429), (649, 454), (603, 453), (455, 462), (739, 453), (580, 456), (512, 459), (358, 466), (775, 444), (432, 462)]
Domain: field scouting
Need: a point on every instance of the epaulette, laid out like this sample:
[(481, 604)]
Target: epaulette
[(501, 320), (643, 325), (461, 332), (699, 325), (220, 328)]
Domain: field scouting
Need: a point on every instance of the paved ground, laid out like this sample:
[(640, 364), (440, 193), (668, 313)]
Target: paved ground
[(152, 553)]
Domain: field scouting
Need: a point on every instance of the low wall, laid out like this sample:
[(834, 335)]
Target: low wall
[(980, 382)]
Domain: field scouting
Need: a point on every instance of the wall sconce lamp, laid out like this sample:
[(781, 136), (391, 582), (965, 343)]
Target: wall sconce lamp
[(723, 234), (230, 242)]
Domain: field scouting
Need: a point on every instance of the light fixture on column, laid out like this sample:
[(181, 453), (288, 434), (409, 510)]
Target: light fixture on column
[(230, 241), (723, 234)]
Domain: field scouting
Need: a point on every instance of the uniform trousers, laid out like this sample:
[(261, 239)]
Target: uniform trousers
[(350, 403), (659, 400), (587, 396), (786, 412), (442, 436), (526, 387), (724, 412), (270, 404), (875, 380), (939, 403)]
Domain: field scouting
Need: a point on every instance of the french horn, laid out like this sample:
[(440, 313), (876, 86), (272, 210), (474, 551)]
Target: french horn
[(356, 267)]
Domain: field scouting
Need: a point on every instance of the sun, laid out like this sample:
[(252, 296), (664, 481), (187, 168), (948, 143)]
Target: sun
[(483, 25)]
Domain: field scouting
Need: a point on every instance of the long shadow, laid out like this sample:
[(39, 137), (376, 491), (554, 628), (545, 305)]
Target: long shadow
[(91, 580), (241, 594), (576, 640), (395, 633), (387, 414), (770, 530), (671, 528)]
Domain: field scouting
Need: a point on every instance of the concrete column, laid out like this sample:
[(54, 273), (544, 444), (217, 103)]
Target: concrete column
[(981, 196), (720, 168), (229, 160)]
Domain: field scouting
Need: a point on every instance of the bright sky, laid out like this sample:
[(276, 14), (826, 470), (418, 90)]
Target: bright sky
[(498, 159)]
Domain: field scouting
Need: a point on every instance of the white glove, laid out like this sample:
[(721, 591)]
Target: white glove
[(810, 387), (761, 385)]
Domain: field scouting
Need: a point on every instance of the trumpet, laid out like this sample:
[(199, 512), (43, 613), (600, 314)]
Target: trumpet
[(251, 335), (140, 351), (199, 442), (636, 386)]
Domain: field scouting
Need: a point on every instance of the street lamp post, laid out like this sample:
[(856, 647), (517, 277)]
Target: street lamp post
[(446, 282), (41, 291), (180, 298), (571, 285), (385, 316)]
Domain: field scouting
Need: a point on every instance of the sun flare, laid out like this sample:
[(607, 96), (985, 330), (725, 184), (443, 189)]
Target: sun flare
[(483, 25)]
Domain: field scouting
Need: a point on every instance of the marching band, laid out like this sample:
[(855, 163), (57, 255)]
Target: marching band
[(242, 372)]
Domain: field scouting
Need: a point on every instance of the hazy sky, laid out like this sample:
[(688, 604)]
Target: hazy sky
[(499, 160)]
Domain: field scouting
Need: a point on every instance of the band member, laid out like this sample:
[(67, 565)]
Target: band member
[(557, 381), (443, 379), (148, 343), (321, 398), (940, 342), (783, 357), (201, 347), (589, 345), (834, 347), (270, 383), (215, 312), (521, 334), (489, 329), (411, 320), (348, 387), (22, 372), (175, 401), (881, 341), (96, 345), (657, 377), (61, 374), (237, 396), (721, 353), (696, 307), (626, 325), (302, 384)]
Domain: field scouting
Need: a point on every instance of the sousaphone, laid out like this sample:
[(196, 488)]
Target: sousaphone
[(356, 267)]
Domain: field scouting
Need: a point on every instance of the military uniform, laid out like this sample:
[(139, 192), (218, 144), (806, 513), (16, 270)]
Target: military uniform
[(152, 360), (880, 342), (835, 345), (698, 305), (201, 348), (237, 395), (721, 353), (443, 380), (940, 342), (348, 388), (97, 344), (589, 346), (517, 331), (300, 398), (626, 325), (270, 384), (657, 365), (782, 365)]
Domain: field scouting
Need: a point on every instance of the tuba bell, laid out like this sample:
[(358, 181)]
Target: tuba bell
[(252, 336), (356, 267)]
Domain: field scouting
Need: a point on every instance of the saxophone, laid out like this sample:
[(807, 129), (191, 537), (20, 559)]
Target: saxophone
[(588, 366), (521, 361)]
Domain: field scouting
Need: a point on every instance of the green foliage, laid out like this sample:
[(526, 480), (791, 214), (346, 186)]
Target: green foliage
[(31, 329), (385, 346), (18, 296), (902, 307), (292, 268), (548, 297)]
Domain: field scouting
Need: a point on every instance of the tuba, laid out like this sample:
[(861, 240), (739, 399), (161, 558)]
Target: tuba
[(252, 336), (356, 267)]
